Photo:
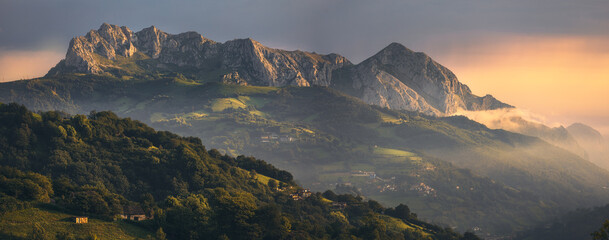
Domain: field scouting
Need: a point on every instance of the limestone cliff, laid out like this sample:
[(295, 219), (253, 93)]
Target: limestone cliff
[(400, 78), (396, 77), (245, 60)]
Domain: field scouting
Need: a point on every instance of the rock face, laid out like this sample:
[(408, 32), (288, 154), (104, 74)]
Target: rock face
[(399, 78), (396, 77), (247, 61), (108, 42)]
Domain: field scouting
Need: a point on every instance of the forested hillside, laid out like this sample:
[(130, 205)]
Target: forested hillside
[(450, 170), (95, 165)]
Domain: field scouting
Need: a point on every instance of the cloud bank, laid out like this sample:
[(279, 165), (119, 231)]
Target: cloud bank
[(510, 119)]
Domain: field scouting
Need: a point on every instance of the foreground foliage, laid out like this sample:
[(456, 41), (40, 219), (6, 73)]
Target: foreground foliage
[(94, 165)]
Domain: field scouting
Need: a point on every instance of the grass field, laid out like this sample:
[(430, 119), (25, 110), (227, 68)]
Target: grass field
[(19, 224), (390, 119), (397, 224), (263, 179), (392, 152), (230, 89), (221, 104), (254, 101)]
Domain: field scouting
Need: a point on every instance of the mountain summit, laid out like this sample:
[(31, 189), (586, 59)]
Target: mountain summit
[(240, 61), (399, 78), (396, 77)]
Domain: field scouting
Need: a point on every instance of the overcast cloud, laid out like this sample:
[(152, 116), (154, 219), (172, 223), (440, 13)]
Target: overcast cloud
[(352, 28)]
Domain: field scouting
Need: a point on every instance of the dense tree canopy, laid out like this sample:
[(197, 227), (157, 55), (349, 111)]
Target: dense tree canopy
[(97, 164)]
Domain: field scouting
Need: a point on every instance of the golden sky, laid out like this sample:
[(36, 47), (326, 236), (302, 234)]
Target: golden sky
[(26, 64), (564, 78)]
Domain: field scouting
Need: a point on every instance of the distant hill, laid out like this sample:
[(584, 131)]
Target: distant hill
[(596, 146), (518, 121)]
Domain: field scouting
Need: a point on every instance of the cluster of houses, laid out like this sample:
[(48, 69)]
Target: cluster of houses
[(130, 212), (388, 188), (274, 138), (423, 189), (281, 189), (301, 194), (305, 193)]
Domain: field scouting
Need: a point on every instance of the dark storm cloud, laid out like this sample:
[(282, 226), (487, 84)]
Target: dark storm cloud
[(350, 27)]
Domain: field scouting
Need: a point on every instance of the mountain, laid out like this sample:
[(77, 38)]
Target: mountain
[(596, 146), (448, 169), (396, 77), (240, 61), (96, 165), (399, 78), (585, 133)]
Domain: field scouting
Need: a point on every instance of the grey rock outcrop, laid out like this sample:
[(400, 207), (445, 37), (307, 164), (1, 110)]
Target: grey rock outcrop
[(396, 77), (252, 62), (400, 78), (108, 42)]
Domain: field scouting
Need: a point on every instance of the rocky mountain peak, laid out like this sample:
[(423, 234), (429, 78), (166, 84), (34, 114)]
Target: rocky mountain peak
[(394, 49), (275, 67), (109, 41), (150, 40), (245, 60), (396, 77), (151, 29), (399, 78), (113, 40)]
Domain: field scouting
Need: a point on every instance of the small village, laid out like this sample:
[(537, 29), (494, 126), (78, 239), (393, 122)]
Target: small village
[(382, 185), (424, 189), (302, 194)]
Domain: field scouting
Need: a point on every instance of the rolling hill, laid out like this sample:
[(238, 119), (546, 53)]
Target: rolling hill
[(94, 166)]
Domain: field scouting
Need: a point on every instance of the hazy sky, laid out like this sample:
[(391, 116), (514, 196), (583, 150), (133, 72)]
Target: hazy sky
[(548, 56)]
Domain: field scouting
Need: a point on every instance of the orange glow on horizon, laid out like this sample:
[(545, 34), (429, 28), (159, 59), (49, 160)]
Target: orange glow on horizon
[(17, 65), (564, 78)]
